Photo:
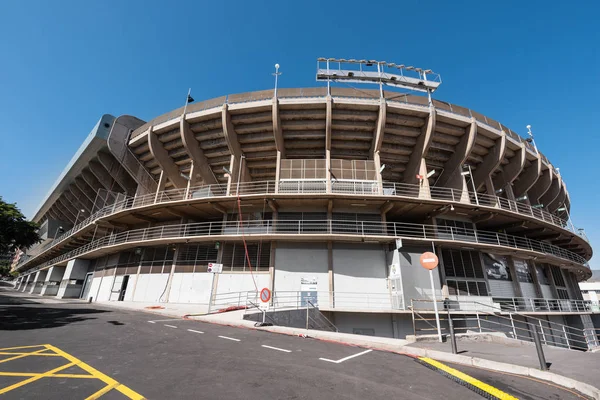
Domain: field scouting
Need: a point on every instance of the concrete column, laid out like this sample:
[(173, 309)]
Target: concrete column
[(26, 283), (424, 192), (513, 273), (533, 271), (75, 271), (162, 181), (330, 274), (53, 279), (38, 282), (171, 273), (277, 172), (377, 163)]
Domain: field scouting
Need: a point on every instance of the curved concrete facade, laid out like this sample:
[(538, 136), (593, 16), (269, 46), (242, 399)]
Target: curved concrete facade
[(339, 190)]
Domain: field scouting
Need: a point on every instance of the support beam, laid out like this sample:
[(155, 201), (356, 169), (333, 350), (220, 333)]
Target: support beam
[(104, 177), (452, 167), (277, 130), (379, 128), (65, 208), (414, 165), (192, 147), (219, 208), (559, 200), (552, 193), (117, 172), (540, 187), (88, 205), (233, 145), (511, 171), (144, 217), (328, 122), (85, 189), (92, 181), (164, 160), (491, 161), (528, 177)]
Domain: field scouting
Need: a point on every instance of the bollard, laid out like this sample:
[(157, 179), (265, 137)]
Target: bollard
[(538, 347), (452, 336)]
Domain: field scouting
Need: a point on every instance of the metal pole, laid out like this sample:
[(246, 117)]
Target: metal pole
[(435, 307), (277, 73), (186, 102), (452, 336), (237, 189), (540, 350), (473, 184)]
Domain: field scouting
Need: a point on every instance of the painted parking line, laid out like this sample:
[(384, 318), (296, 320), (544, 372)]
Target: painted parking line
[(164, 320), (171, 326), (191, 330), (276, 348), (341, 360), (466, 380), (47, 349), (229, 338)]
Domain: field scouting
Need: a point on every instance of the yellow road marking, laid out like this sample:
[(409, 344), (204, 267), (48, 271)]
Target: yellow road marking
[(51, 376), (35, 378), (22, 355), (104, 378), (469, 379), (100, 392), (93, 373), (4, 353), (23, 347)]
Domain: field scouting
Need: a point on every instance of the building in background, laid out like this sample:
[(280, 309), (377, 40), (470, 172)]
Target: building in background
[(306, 192)]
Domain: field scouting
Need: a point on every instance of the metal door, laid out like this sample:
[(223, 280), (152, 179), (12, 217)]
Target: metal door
[(87, 284), (123, 287)]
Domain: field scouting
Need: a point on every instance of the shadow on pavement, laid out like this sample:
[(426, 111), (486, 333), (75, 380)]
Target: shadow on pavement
[(15, 318)]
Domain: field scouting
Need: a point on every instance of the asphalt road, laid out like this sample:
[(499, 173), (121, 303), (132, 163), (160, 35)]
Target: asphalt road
[(184, 359)]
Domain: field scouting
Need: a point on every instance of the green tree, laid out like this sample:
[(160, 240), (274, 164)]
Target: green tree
[(15, 231)]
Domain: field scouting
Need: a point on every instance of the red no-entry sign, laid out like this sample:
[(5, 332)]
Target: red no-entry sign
[(265, 295), (429, 260)]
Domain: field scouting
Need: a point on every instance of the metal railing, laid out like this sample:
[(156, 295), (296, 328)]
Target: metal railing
[(542, 305), (516, 325), (322, 227), (311, 187)]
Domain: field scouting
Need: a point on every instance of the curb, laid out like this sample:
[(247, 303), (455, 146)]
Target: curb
[(400, 348)]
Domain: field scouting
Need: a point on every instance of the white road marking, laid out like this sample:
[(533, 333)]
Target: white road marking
[(229, 338), (191, 330), (276, 348), (341, 360), (171, 326), (163, 320)]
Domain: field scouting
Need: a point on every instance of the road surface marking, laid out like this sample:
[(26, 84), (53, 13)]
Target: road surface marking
[(229, 338), (92, 373), (35, 353), (163, 320), (497, 393), (341, 360), (276, 348), (191, 330), (171, 326)]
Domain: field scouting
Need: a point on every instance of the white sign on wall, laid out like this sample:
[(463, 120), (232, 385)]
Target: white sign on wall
[(308, 291), (215, 268)]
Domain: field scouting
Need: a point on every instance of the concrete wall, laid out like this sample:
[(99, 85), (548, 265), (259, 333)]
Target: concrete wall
[(191, 288), (381, 324), (55, 274), (294, 261), (241, 282), (150, 287)]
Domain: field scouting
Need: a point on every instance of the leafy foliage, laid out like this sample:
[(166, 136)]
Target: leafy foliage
[(15, 231)]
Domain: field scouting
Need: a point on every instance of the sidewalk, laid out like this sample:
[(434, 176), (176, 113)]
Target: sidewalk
[(578, 365), (175, 310)]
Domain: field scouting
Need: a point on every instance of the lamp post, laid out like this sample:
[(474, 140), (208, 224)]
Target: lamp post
[(61, 229), (470, 173), (276, 74), (79, 212)]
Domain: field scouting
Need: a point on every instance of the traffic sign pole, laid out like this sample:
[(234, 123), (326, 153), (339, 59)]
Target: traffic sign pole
[(430, 261), (435, 307)]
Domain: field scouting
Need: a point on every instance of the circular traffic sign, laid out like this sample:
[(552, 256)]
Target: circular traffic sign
[(429, 260), (265, 295)]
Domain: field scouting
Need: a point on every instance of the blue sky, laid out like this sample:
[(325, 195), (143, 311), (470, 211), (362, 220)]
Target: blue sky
[(66, 63)]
